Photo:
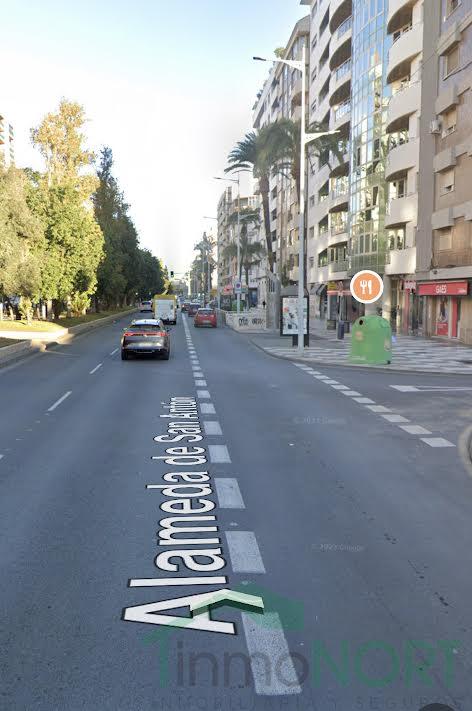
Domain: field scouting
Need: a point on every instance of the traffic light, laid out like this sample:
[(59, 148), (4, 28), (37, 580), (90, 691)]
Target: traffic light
[(172, 275)]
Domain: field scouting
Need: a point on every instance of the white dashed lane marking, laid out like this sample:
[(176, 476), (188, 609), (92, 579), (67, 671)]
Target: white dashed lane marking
[(244, 552), (115, 351), (385, 412), (203, 394), (395, 418), (200, 383), (212, 427), (437, 442), (415, 430), (219, 454), (229, 495), (61, 400), (96, 368), (207, 408), (267, 641)]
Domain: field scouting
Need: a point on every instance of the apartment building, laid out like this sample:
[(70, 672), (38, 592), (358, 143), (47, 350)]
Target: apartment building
[(280, 97), (7, 152), (444, 271), (227, 270)]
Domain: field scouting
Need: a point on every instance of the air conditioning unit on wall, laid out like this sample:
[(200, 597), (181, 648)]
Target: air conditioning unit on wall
[(435, 126)]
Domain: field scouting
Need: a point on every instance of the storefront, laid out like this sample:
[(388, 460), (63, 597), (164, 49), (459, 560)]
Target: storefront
[(444, 306), (341, 304)]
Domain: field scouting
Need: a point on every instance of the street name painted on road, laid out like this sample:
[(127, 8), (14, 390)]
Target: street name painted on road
[(188, 493)]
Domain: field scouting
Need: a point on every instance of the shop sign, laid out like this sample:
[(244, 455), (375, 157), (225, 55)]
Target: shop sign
[(409, 285), (443, 288)]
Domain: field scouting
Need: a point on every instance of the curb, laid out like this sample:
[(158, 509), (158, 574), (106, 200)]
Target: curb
[(355, 366), (19, 351)]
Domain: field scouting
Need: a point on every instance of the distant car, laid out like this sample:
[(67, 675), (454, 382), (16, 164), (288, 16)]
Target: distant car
[(185, 306), (205, 317), (145, 336), (192, 309), (145, 306)]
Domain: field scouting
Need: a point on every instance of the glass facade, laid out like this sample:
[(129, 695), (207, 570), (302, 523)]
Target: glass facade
[(370, 95)]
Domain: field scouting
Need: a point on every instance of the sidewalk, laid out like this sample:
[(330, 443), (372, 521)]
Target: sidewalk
[(409, 353)]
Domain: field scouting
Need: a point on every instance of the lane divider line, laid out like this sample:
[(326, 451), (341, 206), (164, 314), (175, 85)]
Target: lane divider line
[(58, 402), (269, 642), (229, 495), (212, 427), (244, 552), (437, 442), (201, 383), (96, 368), (207, 408), (219, 454), (115, 351), (203, 394)]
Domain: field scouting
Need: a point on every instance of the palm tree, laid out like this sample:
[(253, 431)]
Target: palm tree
[(250, 252), (205, 248), (255, 153)]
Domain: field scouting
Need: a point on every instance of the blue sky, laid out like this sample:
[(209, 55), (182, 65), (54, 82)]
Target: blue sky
[(169, 86)]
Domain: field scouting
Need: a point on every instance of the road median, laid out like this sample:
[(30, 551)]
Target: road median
[(41, 341)]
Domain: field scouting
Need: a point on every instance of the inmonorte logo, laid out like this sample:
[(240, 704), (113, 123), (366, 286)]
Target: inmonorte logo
[(342, 663)]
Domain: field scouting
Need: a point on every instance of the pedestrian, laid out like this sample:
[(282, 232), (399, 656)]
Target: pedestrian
[(263, 304)]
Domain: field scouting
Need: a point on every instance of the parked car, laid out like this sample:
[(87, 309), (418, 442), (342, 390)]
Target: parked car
[(192, 309), (147, 337), (205, 317), (145, 306)]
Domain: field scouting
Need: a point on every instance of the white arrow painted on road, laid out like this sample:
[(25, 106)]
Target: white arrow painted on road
[(226, 597)]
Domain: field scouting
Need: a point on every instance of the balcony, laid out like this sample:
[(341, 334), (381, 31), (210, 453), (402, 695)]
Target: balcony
[(403, 104), (402, 210), (297, 92), (453, 258), (339, 200), (401, 261), (374, 261), (340, 11), (338, 269), (340, 46), (402, 158), (399, 12), (340, 84), (341, 116), (401, 53), (337, 235)]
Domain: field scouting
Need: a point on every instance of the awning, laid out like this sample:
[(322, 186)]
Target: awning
[(443, 288), (320, 289)]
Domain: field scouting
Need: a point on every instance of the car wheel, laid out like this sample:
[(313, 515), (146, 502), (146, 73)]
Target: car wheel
[(166, 355), (124, 355)]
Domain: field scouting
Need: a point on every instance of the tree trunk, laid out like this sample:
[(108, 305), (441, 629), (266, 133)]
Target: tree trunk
[(57, 308), (264, 188)]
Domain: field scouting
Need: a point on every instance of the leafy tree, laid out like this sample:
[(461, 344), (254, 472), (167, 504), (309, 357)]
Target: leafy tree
[(206, 263), (22, 242), (74, 239)]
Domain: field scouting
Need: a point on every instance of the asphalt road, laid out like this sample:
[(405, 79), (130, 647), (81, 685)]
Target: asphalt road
[(355, 531)]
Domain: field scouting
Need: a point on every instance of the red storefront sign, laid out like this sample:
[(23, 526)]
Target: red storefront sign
[(443, 288)]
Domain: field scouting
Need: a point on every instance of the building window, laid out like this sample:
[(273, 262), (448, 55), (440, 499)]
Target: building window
[(444, 240), (313, 74), (451, 6), (447, 182), (314, 41), (313, 106), (451, 61), (396, 238), (312, 201), (449, 122), (312, 233), (311, 261)]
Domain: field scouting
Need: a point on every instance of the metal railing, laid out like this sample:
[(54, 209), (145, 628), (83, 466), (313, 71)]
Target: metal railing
[(344, 27), (342, 110), (343, 69)]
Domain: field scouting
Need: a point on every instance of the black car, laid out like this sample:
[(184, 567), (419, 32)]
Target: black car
[(145, 336), (192, 309)]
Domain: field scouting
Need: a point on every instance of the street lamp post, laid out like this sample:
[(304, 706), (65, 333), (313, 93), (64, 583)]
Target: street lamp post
[(305, 138), (238, 242)]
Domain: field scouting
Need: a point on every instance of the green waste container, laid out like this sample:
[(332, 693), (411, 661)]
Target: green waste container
[(371, 341)]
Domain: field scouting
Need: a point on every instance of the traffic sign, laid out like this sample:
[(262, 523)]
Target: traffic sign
[(238, 287), (367, 286)]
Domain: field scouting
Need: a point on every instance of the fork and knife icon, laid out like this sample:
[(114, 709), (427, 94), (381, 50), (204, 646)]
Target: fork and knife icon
[(366, 286)]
